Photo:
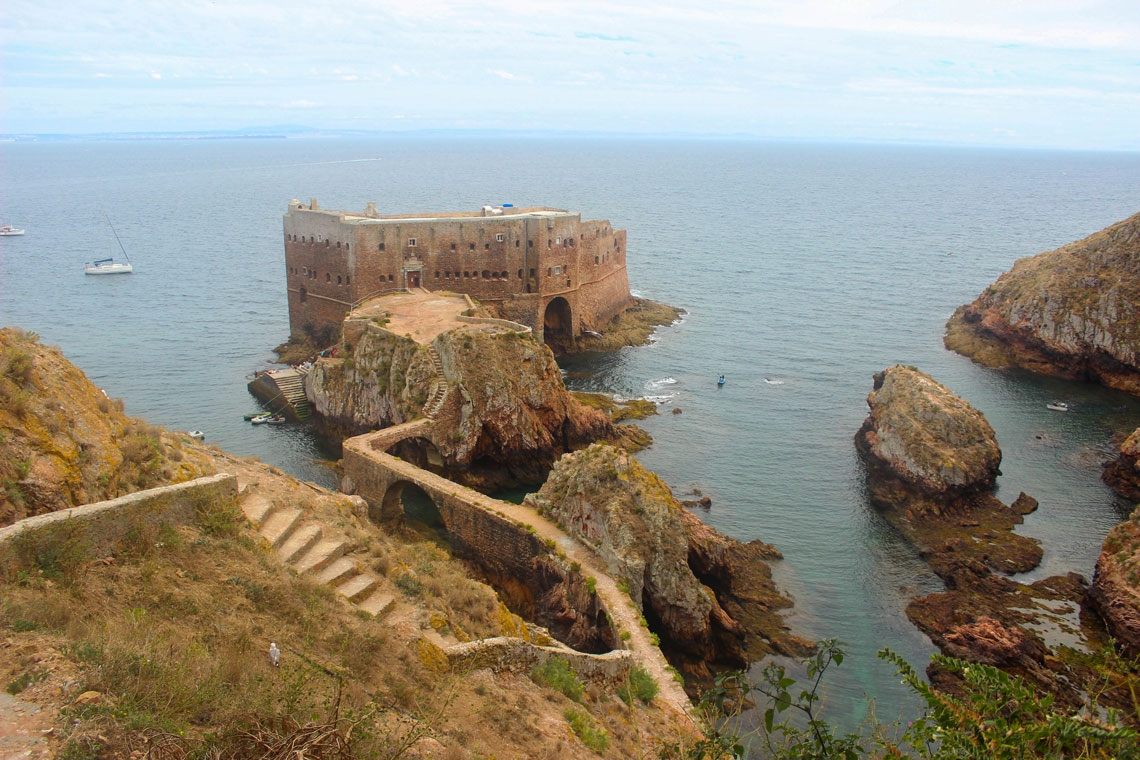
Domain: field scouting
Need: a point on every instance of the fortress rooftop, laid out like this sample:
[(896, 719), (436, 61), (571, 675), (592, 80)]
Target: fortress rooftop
[(371, 216)]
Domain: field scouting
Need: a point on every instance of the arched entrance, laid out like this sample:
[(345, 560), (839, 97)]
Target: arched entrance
[(421, 452), (558, 323), (412, 502)]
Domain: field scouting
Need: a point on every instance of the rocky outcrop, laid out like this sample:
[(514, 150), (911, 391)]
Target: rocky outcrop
[(1123, 473), (508, 415), (711, 598), (1073, 312), (1115, 590), (932, 460), (64, 443)]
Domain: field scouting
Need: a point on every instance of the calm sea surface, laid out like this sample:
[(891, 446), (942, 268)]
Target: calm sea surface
[(813, 266)]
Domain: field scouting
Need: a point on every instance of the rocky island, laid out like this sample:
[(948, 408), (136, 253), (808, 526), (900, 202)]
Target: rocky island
[(1073, 312)]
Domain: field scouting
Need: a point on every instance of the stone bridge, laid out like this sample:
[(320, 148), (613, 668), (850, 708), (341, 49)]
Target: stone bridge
[(511, 541)]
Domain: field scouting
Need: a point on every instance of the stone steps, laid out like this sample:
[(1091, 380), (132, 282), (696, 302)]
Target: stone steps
[(315, 549)]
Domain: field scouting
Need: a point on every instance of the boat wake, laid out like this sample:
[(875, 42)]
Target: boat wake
[(665, 382)]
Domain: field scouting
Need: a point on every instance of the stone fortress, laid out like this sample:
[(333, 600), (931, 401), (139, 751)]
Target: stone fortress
[(542, 267)]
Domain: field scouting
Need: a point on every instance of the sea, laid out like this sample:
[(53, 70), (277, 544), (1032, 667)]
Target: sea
[(803, 269)]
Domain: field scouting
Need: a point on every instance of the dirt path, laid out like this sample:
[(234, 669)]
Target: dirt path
[(22, 726)]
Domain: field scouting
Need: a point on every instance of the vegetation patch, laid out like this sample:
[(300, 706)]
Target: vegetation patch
[(557, 674)]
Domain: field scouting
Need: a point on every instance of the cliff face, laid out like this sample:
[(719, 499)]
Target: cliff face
[(680, 573), (1073, 312), (1123, 473), (1115, 590), (64, 443), (508, 416)]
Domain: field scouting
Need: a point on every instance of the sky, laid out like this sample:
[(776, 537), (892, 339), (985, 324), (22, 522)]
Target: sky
[(1026, 73)]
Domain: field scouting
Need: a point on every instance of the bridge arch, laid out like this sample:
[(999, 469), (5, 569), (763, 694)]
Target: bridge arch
[(558, 322), (403, 498), (419, 451)]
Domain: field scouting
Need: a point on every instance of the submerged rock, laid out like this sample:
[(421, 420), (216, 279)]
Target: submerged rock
[(1073, 312), (711, 597)]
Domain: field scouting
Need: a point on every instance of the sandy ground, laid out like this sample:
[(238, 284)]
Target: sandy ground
[(421, 314)]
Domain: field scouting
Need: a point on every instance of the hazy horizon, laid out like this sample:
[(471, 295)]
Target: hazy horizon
[(1052, 74)]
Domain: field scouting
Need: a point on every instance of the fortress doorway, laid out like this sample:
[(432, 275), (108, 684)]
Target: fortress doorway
[(413, 280), (558, 324)]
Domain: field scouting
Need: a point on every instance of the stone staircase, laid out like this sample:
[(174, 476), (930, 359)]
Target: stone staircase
[(291, 383), (313, 549), (439, 387)]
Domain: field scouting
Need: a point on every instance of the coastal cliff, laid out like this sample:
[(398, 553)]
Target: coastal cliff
[(1123, 473), (508, 415), (710, 597), (63, 442), (1073, 312), (1115, 590)]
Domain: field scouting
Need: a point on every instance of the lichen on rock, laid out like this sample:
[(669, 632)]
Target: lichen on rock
[(681, 573), (1072, 312), (1115, 590)]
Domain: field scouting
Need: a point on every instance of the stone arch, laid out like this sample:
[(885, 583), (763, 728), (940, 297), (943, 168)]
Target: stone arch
[(404, 499), (419, 451), (557, 322)]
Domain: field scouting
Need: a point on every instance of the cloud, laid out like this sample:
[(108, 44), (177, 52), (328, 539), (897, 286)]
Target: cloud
[(604, 37)]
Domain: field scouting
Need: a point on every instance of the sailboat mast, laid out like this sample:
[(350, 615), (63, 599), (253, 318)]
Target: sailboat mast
[(120, 242)]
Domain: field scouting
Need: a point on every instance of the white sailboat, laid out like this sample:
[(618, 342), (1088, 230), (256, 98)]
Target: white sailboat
[(110, 266), (8, 230)]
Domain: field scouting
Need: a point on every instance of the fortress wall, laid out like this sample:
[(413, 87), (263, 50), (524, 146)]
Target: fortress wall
[(456, 254), (103, 527), (503, 654)]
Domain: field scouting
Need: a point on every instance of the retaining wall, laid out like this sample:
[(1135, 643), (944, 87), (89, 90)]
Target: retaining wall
[(102, 527)]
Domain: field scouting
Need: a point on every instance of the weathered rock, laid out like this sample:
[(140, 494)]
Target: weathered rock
[(508, 416), (1073, 312), (1024, 504), (932, 460), (666, 556), (1123, 473), (1115, 590), (63, 442), (928, 437)]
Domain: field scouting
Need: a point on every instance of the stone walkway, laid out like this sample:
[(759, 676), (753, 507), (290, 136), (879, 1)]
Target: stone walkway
[(625, 614)]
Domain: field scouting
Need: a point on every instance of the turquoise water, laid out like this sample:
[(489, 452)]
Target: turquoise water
[(811, 265)]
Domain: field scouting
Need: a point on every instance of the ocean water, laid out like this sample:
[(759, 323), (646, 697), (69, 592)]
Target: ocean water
[(804, 269)]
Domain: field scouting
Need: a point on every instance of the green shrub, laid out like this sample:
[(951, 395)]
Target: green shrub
[(638, 685), (593, 737), (57, 552), (219, 517), (557, 674)]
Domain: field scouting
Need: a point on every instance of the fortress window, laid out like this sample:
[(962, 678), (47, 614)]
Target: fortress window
[(530, 244), (304, 294), (548, 242), (346, 246), (411, 242), (328, 242), (485, 274), (347, 280), (437, 275), (391, 278), (516, 243), (558, 241), (311, 239), (486, 246), (548, 271), (596, 260), (504, 275), (328, 277), (471, 246), (338, 279), (500, 237), (381, 246), (520, 274), (453, 246), (338, 244)]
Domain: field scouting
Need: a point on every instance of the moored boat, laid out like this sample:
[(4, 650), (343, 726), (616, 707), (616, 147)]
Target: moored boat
[(8, 230), (107, 266), (1057, 406)]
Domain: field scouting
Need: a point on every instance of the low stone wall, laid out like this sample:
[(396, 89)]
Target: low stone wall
[(102, 527), (513, 326), (518, 656)]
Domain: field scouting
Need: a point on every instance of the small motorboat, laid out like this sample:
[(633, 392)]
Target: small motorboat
[(197, 435), (8, 230), (1057, 406), (276, 419), (261, 419), (720, 380), (250, 415)]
